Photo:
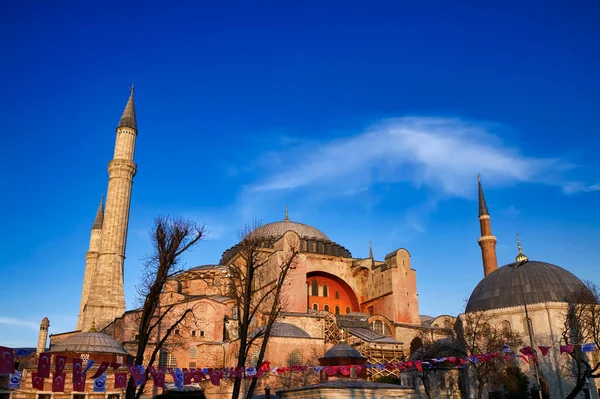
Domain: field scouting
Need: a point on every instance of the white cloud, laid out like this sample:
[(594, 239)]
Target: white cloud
[(441, 154), (19, 323)]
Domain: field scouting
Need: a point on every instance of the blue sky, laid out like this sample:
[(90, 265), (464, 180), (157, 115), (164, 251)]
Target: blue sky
[(371, 122)]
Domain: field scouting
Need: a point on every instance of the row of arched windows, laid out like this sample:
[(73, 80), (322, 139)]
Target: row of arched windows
[(326, 308), (315, 289)]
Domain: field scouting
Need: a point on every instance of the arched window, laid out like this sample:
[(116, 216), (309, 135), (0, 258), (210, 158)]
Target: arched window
[(337, 310), (315, 306), (166, 359), (348, 310), (377, 326), (325, 290), (193, 352), (337, 294), (506, 327), (315, 287), (295, 358), (326, 308)]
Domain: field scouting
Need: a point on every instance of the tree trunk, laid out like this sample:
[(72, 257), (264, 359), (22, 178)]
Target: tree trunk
[(480, 391), (578, 388)]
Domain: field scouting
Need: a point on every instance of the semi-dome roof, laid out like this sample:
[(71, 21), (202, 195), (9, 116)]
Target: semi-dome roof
[(283, 330), (89, 342), (277, 229), (342, 350), (542, 282)]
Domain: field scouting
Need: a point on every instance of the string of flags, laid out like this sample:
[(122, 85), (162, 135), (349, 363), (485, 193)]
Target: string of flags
[(184, 376)]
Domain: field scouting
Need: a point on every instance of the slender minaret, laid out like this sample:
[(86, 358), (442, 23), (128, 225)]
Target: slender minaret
[(43, 336), (91, 260), (487, 241), (105, 297)]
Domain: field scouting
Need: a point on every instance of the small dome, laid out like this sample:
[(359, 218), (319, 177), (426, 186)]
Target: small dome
[(342, 350), (277, 229), (542, 282), (283, 330), (89, 342)]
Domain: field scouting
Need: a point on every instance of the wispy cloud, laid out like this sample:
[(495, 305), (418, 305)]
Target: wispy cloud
[(19, 323), (442, 154)]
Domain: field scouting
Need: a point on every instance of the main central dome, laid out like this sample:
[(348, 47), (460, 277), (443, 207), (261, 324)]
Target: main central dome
[(277, 229)]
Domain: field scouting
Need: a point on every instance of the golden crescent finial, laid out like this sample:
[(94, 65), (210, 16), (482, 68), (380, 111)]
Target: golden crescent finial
[(521, 257), (287, 214)]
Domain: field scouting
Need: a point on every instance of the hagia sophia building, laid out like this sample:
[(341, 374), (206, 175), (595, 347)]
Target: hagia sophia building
[(371, 305)]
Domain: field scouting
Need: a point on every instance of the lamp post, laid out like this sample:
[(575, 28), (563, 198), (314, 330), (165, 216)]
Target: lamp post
[(520, 260)]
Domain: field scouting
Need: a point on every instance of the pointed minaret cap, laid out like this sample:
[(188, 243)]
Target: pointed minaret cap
[(521, 257), (371, 249), (482, 205), (99, 221), (128, 117)]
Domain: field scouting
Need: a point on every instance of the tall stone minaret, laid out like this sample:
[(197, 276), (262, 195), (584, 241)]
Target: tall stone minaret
[(487, 241), (105, 296), (43, 336), (91, 260)]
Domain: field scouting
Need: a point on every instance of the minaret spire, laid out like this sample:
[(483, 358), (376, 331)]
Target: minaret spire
[(482, 205), (99, 220), (103, 297), (371, 249), (487, 241), (287, 213), (128, 118)]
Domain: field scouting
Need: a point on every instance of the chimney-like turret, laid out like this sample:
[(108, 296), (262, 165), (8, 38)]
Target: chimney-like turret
[(43, 336)]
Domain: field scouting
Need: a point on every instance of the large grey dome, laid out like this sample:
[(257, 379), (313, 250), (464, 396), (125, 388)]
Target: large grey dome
[(89, 342), (542, 282), (277, 229), (342, 350)]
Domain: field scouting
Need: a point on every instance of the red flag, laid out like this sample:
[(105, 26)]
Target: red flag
[(59, 364), (419, 365), (43, 369), (58, 382), (115, 365), (159, 379), (345, 370), (198, 375), (215, 378), (36, 381), (101, 369), (524, 358), (527, 351), (544, 350), (7, 360), (187, 377), (77, 369), (79, 384), (265, 366), (566, 348), (120, 380)]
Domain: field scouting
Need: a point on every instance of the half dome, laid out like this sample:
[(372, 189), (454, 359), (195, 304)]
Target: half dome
[(541, 282)]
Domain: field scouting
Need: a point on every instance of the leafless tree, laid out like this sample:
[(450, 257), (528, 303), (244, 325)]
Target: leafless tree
[(257, 278), (431, 348), (171, 238), (478, 333), (582, 325)]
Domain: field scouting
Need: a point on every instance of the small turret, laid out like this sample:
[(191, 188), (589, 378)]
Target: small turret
[(43, 336)]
